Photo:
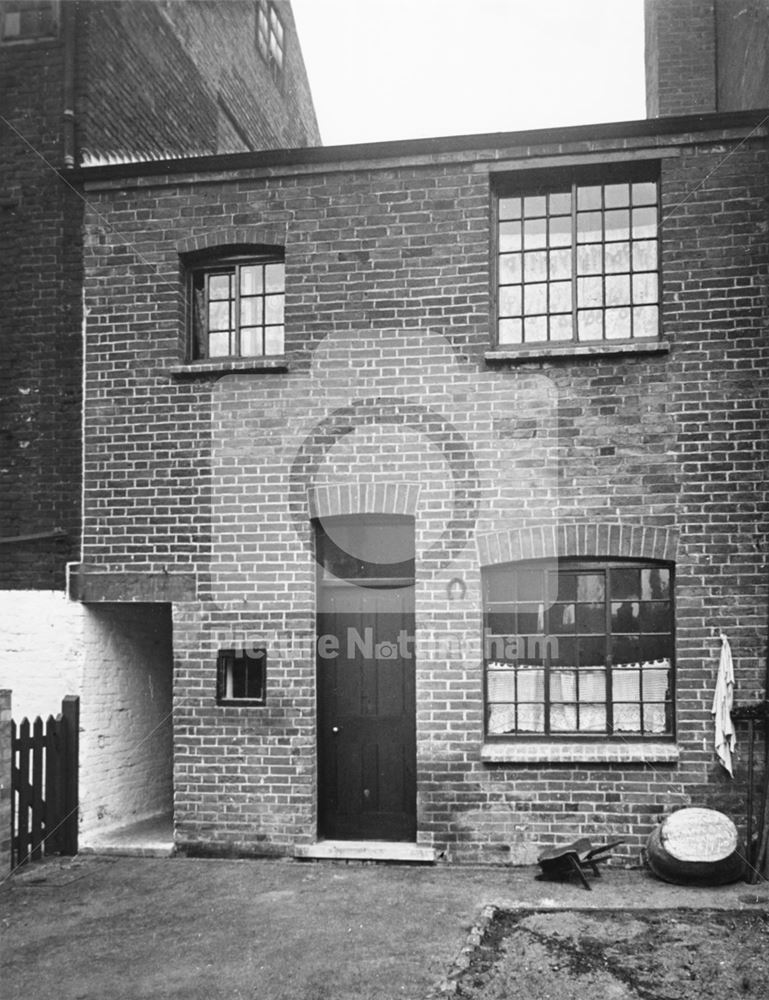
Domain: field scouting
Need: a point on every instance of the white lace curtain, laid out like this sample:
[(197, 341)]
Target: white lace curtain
[(632, 684)]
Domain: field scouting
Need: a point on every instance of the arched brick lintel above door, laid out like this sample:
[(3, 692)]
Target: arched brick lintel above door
[(336, 499)]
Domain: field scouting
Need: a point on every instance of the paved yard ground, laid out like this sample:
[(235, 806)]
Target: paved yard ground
[(114, 928)]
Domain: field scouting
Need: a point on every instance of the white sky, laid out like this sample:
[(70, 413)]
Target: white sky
[(401, 69)]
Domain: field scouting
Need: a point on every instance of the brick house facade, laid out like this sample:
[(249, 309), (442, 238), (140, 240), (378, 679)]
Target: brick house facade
[(342, 407), (212, 484)]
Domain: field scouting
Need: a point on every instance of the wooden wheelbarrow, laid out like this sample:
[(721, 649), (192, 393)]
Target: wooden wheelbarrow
[(577, 858)]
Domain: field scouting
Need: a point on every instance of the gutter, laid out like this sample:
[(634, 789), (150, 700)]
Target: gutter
[(40, 537), (69, 14), (645, 127)]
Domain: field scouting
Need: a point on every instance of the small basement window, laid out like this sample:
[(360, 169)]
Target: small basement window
[(241, 676), (236, 308)]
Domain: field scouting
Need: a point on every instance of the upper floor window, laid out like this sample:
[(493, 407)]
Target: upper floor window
[(236, 307), (21, 20), (579, 649), (270, 36), (578, 260)]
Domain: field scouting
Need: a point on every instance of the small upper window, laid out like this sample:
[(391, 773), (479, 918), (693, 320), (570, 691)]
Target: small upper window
[(577, 261), (579, 649), (236, 308), (270, 36), (21, 20)]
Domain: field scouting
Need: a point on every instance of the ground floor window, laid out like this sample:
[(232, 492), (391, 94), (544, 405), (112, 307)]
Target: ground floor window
[(240, 676), (580, 648)]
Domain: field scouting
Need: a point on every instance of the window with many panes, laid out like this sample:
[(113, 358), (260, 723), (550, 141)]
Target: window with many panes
[(270, 36), (578, 260), (236, 308), (579, 649), (22, 20)]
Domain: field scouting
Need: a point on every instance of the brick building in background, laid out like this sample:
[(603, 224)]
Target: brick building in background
[(105, 82), (706, 55), (418, 480)]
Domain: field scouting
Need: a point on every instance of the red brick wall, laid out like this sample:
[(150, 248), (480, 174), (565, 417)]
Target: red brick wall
[(715, 268), (743, 54), (40, 322), (706, 55), (154, 74), (149, 80), (680, 57), (387, 276)]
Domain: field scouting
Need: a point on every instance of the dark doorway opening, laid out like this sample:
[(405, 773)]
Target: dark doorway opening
[(366, 678)]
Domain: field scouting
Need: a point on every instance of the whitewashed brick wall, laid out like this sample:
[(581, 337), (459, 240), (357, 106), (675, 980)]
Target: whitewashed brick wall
[(40, 656), (126, 744)]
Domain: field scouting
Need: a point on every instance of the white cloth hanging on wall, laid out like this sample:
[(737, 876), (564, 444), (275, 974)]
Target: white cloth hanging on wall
[(722, 707)]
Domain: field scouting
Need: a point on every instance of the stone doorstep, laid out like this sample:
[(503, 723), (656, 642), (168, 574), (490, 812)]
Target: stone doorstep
[(159, 850), (365, 850), (152, 837)]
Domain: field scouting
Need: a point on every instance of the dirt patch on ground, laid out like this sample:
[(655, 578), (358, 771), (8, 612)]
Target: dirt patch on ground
[(620, 955)]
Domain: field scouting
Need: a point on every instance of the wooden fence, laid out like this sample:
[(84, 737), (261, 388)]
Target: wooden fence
[(44, 781)]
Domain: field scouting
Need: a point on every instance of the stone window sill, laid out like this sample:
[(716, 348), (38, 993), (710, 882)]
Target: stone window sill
[(223, 366), (576, 350), (577, 752), (241, 703)]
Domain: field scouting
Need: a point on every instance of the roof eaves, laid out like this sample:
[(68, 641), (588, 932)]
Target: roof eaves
[(649, 127)]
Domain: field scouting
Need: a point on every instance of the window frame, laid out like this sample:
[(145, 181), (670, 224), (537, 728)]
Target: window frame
[(226, 659), (337, 565), (268, 18), (541, 181), (230, 261), (49, 12), (588, 565)]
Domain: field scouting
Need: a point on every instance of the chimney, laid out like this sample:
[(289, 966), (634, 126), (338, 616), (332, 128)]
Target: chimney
[(680, 57)]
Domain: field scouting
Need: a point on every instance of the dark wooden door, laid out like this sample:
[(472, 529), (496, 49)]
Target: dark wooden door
[(367, 725)]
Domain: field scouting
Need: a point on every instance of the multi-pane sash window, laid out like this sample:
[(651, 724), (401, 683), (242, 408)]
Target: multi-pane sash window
[(579, 649), (270, 36), (577, 262), (237, 309)]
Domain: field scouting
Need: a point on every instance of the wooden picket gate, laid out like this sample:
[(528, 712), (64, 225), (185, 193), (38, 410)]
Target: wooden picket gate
[(44, 781)]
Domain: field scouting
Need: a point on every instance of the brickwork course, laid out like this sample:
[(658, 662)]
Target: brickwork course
[(116, 81), (206, 479)]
